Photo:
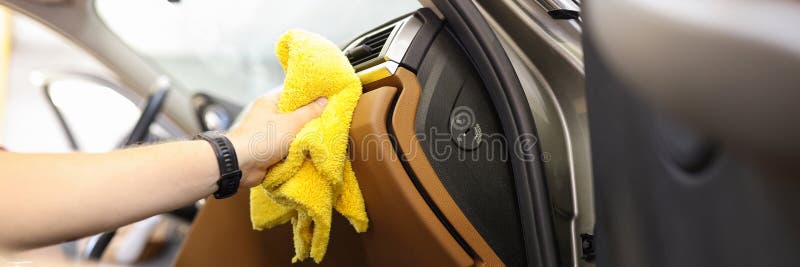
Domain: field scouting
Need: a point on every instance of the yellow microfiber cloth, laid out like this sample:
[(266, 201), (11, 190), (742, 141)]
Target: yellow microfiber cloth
[(316, 176)]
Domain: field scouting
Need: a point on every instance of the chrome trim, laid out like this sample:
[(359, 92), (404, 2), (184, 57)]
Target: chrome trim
[(390, 57), (563, 36), (398, 46), (553, 5)]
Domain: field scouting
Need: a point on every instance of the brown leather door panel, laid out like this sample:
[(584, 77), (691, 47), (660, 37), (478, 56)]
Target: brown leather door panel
[(403, 119), (404, 231), (223, 236)]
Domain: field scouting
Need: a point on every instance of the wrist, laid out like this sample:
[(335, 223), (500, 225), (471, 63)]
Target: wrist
[(227, 161), (242, 150)]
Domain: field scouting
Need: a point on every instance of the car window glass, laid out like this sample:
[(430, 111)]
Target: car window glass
[(36, 57), (226, 47)]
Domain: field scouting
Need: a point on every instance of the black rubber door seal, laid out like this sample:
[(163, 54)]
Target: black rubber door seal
[(505, 90)]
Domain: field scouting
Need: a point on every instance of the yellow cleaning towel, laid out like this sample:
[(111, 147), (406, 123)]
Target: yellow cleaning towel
[(316, 176)]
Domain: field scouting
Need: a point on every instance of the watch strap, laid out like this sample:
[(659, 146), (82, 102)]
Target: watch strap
[(230, 174)]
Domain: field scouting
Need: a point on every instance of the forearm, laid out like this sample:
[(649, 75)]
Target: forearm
[(54, 197), (48, 198)]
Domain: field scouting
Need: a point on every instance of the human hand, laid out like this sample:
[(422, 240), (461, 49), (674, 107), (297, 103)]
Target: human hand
[(263, 136)]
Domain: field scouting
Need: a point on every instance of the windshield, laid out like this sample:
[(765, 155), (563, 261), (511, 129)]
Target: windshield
[(225, 48)]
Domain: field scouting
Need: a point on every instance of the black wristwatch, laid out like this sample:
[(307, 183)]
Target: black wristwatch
[(230, 174)]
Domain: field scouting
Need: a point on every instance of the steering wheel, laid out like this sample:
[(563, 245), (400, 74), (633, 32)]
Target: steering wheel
[(139, 134)]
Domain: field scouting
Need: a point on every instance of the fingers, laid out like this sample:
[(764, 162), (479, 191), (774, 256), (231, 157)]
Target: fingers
[(308, 112)]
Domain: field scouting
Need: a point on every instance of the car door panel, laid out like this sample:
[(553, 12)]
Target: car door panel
[(491, 208)]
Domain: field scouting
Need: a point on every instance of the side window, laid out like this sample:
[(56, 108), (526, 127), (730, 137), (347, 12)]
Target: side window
[(226, 48), (57, 97)]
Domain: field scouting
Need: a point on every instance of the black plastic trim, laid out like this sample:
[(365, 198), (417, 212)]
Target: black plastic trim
[(502, 83), (564, 14), (431, 24)]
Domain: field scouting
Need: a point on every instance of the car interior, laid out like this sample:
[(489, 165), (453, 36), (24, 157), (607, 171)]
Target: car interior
[(473, 144), (417, 76), (472, 193)]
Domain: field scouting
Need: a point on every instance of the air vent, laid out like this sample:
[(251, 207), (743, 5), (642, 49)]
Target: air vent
[(369, 48)]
